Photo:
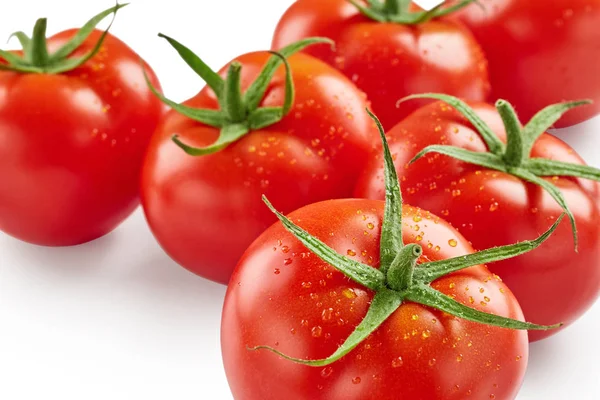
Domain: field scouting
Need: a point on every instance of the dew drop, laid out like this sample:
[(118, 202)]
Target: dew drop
[(452, 242), (277, 271), (494, 206), (432, 362), (397, 362), (459, 358), (288, 261), (356, 380), (351, 252), (326, 372), (316, 331), (327, 314)]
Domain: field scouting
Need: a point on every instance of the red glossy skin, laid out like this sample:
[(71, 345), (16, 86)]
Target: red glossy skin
[(390, 61), (553, 283), (283, 296), (205, 211), (72, 145), (541, 52)]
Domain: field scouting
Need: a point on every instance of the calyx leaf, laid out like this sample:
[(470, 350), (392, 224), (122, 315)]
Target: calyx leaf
[(515, 157), (399, 278), (399, 11), (37, 59), (238, 112)]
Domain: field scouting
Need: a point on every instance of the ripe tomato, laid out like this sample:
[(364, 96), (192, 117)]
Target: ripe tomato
[(206, 210), (72, 143), (541, 52), (492, 208), (367, 315), (390, 60)]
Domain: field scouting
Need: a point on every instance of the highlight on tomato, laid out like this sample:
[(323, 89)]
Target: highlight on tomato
[(540, 52), (391, 49), (499, 182), (286, 125), (361, 299), (75, 122)]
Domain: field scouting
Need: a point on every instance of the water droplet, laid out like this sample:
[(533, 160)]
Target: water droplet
[(417, 218), (370, 225), (519, 358), (306, 285), (397, 362), (349, 293), (452, 242), (327, 314), (426, 334), (288, 261), (356, 380), (415, 317), (487, 299), (492, 396), (351, 253), (459, 358), (316, 331), (285, 249), (277, 271), (326, 372), (437, 248), (494, 206), (452, 285), (432, 362)]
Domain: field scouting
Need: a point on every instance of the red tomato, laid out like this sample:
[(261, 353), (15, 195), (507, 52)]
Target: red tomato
[(389, 60), (492, 208), (541, 52), (284, 296), (72, 144), (205, 211)]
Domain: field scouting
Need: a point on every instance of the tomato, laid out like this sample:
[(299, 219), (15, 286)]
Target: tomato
[(206, 210), (375, 301), (390, 60), (72, 143), (491, 208), (541, 52)]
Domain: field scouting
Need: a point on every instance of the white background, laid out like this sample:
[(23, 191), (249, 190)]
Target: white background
[(117, 319)]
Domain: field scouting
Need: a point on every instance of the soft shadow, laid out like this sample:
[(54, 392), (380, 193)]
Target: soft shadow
[(73, 261)]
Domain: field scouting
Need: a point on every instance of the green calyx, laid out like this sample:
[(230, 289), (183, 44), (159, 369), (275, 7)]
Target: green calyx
[(37, 60), (399, 277), (239, 112), (399, 11), (515, 157)]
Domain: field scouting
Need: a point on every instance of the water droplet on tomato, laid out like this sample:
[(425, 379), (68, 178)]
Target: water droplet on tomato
[(326, 372), (316, 331), (356, 380), (452, 242), (397, 362)]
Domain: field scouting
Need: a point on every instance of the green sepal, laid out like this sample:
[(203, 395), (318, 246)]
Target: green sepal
[(36, 58), (391, 237), (212, 79), (398, 11), (487, 160), (358, 272), (229, 134), (429, 272), (257, 90), (384, 303), (430, 297), (494, 144)]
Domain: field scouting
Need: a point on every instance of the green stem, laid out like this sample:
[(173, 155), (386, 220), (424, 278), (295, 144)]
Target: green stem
[(395, 7), (514, 154), (39, 46), (400, 274), (233, 101)]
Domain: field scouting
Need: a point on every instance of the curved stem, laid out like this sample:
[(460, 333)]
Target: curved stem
[(514, 154), (39, 47), (233, 100), (400, 273)]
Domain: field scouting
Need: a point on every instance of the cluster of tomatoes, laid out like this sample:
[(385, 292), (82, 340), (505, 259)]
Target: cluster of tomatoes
[(353, 296)]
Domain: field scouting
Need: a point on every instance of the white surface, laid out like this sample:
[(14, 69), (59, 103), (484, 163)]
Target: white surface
[(116, 319)]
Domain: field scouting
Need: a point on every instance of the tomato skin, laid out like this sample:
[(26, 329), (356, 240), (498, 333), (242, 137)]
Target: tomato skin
[(72, 145), (205, 211), (390, 61), (492, 209), (541, 52), (283, 296)]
